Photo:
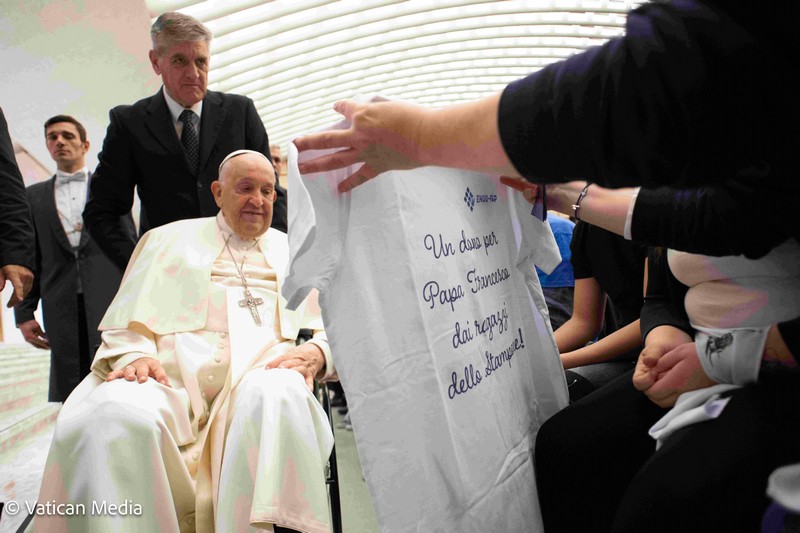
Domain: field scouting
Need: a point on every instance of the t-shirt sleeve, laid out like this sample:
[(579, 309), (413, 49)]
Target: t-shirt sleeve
[(317, 225), (581, 267), (663, 303)]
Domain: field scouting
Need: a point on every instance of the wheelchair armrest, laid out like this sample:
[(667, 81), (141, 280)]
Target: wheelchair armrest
[(304, 335)]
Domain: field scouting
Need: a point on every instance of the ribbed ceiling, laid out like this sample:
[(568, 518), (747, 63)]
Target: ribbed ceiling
[(296, 58)]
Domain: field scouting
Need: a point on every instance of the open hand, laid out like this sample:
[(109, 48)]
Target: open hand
[(382, 135), (33, 333), (140, 370), (21, 279)]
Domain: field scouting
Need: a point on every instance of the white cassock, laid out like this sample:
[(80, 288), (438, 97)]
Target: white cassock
[(230, 446)]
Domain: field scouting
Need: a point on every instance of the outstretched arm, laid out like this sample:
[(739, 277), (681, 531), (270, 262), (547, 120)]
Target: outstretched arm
[(400, 136)]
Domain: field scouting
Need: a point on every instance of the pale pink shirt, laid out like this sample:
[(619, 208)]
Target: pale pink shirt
[(734, 291)]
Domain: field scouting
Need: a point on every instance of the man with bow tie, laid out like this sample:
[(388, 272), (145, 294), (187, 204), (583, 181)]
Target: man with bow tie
[(74, 279)]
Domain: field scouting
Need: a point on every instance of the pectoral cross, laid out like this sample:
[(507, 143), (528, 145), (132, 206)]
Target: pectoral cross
[(253, 304)]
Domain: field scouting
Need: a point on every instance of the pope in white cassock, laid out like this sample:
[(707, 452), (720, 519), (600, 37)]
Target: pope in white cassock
[(198, 414)]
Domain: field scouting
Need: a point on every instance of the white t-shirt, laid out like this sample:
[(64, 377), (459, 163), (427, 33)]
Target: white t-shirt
[(440, 334)]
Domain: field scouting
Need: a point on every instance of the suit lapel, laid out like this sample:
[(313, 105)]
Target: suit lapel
[(159, 122), (53, 219), (85, 233), (210, 125)]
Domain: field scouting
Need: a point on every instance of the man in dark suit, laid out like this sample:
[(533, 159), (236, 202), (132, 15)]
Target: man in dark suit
[(170, 145), (16, 229), (74, 279)]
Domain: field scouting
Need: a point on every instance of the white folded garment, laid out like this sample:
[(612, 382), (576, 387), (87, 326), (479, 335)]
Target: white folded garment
[(691, 407)]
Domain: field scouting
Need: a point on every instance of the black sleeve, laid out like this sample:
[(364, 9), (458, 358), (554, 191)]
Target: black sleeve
[(730, 219), (663, 302), (790, 331), (16, 227), (257, 139), (673, 101), (111, 195), (25, 309), (689, 96), (581, 266)]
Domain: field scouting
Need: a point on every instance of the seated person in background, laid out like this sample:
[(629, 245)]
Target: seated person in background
[(278, 160), (609, 280), (735, 382), (558, 287), (199, 413)]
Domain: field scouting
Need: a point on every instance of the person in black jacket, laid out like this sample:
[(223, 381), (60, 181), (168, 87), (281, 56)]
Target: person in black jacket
[(17, 252), (74, 279), (148, 145), (599, 454)]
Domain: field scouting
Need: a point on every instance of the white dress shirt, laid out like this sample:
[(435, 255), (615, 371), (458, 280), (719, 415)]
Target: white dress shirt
[(70, 191), (175, 109)]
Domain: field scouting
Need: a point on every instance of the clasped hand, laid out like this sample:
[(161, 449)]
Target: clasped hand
[(664, 372)]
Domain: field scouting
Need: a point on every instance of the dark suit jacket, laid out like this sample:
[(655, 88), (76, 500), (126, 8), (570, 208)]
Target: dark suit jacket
[(58, 269), (142, 149), (16, 228)]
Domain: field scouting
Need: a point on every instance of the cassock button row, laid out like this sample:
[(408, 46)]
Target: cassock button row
[(199, 185)]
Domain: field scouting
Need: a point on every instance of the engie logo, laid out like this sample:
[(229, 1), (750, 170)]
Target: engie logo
[(471, 199)]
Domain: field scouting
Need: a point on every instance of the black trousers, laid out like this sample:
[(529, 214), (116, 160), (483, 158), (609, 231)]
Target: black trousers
[(66, 373), (86, 352), (597, 468)]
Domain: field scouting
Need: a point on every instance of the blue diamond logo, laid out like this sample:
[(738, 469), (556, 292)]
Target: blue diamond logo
[(469, 199)]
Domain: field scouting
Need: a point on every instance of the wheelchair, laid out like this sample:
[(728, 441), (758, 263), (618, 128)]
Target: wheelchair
[(331, 469)]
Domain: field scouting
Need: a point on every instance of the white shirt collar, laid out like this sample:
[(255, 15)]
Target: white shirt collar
[(175, 109)]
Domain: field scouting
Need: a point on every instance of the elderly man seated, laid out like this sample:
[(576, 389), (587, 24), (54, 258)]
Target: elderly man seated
[(198, 415)]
